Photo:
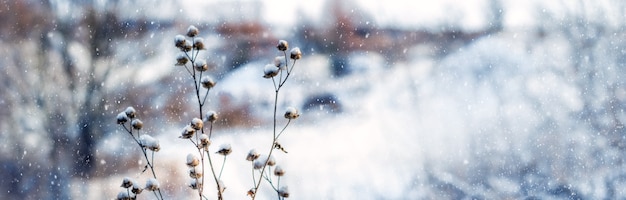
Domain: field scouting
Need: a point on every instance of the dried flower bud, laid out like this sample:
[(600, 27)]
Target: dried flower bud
[(187, 46), (192, 31), (270, 71), (152, 184), (225, 149), (123, 195), (296, 53), (122, 118), (279, 62), (192, 160), (207, 82), (195, 184), (251, 192), (127, 182), (291, 113), (211, 116), (252, 155), (198, 43), (188, 132), (282, 45), (201, 65), (196, 123), (204, 140), (137, 124), (194, 173), (283, 192), (179, 41), (130, 112), (136, 189), (181, 59), (149, 142), (279, 171), (271, 161)]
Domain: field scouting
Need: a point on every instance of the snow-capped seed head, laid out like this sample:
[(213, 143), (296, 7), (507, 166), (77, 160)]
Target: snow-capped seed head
[(137, 124), (194, 173), (196, 123), (251, 192), (127, 182), (187, 132), (204, 140), (207, 82), (130, 112), (282, 45), (123, 195), (198, 43), (192, 160), (270, 71), (181, 59), (225, 149), (195, 184), (149, 142), (179, 41), (252, 155), (279, 62), (258, 164), (136, 188), (152, 184), (271, 161), (187, 46), (296, 54), (291, 113), (211, 116), (279, 171), (201, 65), (192, 31), (122, 118), (283, 192)]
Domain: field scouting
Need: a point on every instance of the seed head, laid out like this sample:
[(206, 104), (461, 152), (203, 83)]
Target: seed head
[(282, 45), (130, 112), (182, 59), (270, 71), (127, 182), (187, 46), (149, 142), (279, 61), (201, 65), (198, 43), (137, 124), (123, 195), (194, 173), (195, 184), (207, 82), (279, 171), (122, 118), (252, 155), (296, 54), (204, 140), (136, 188), (152, 184), (192, 160), (225, 149), (211, 116), (271, 161), (192, 31), (283, 192), (196, 123), (179, 41), (291, 113), (187, 132)]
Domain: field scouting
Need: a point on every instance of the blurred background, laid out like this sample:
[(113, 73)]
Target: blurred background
[(480, 99)]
